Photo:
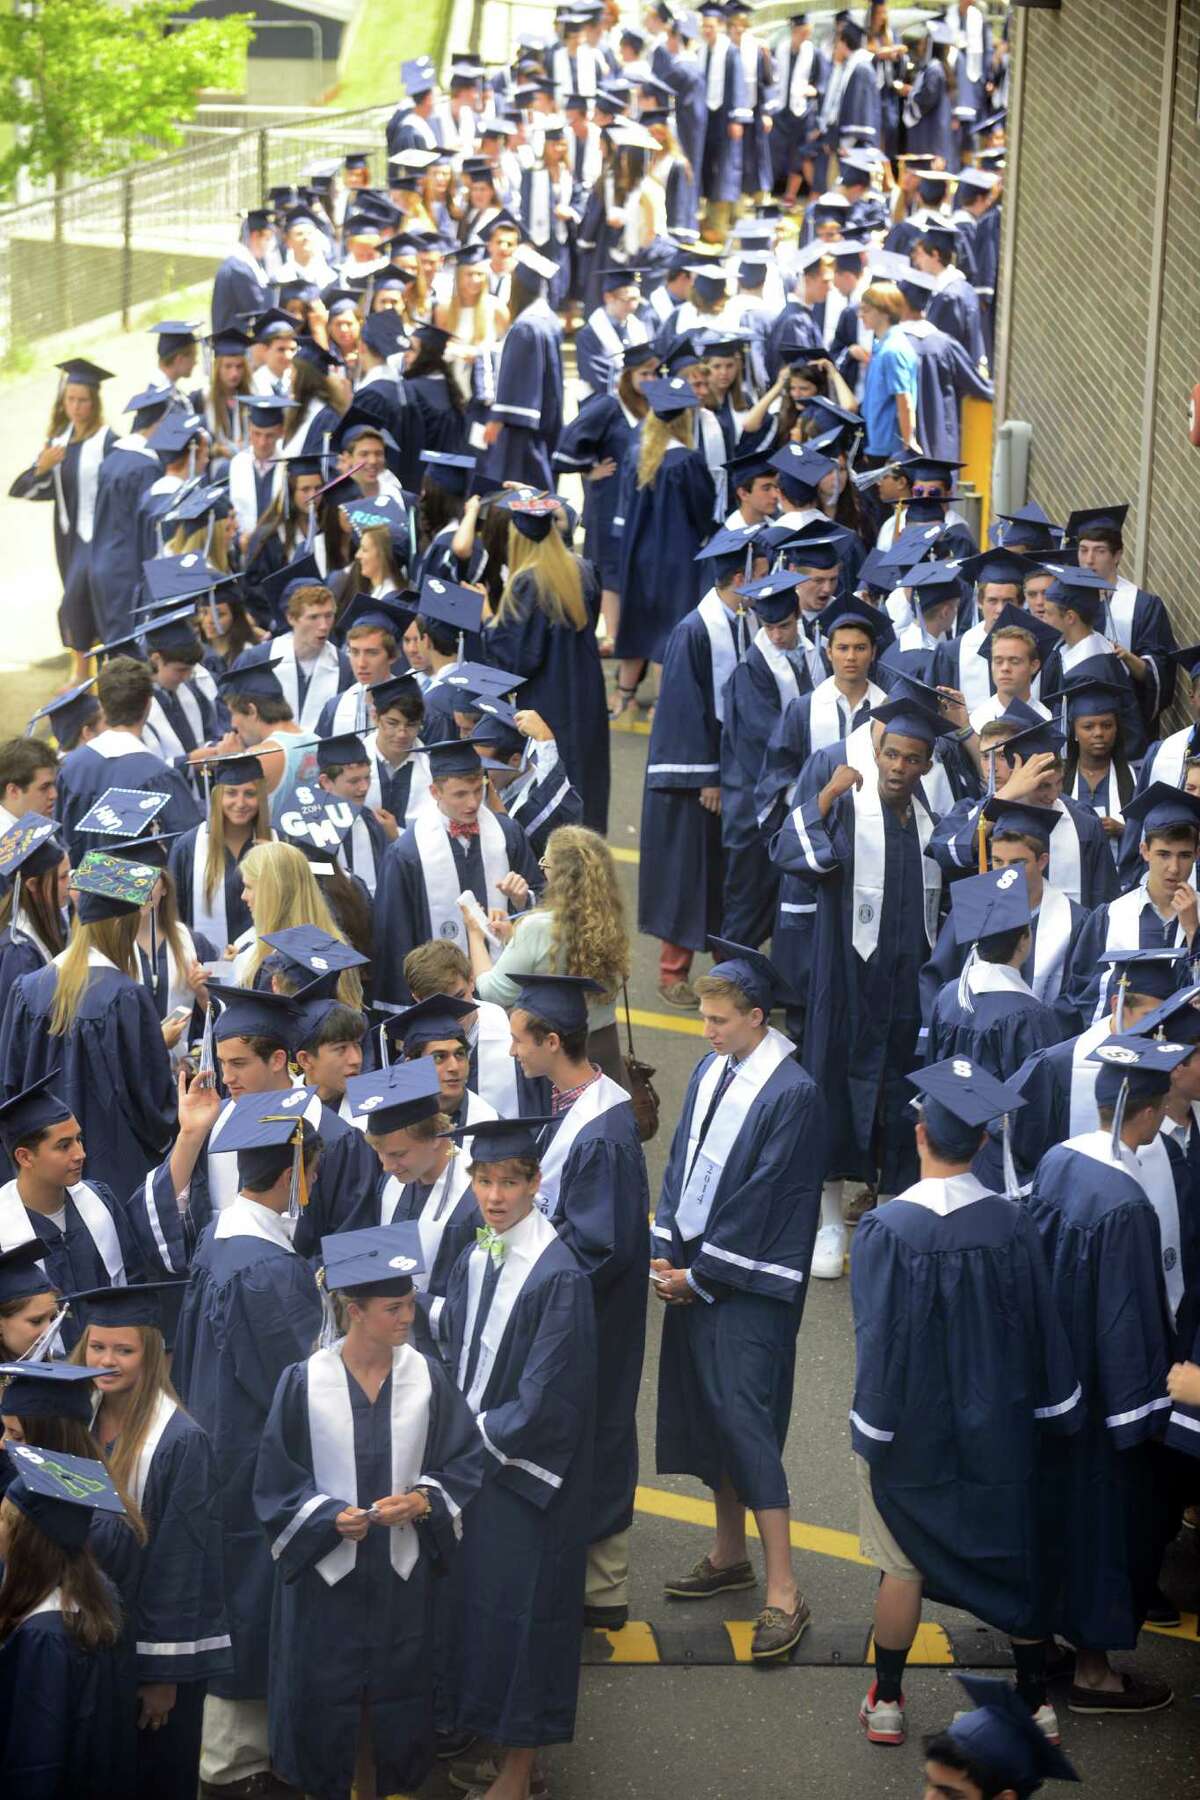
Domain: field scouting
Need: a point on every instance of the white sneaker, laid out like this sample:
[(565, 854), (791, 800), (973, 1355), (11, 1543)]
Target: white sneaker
[(1046, 1720), (829, 1254), (882, 1720)]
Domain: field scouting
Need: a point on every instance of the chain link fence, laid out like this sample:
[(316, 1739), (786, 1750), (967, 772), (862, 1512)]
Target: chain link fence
[(100, 249)]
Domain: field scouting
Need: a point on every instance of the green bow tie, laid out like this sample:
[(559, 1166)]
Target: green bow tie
[(492, 1242)]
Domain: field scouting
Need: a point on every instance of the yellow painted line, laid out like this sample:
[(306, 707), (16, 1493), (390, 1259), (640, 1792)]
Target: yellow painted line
[(638, 727), (822, 1540), (656, 1021), (636, 1643), (740, 1632), (930, 1647), (1188, 1628), (630, 856)]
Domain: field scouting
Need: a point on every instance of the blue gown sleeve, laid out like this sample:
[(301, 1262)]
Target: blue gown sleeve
[(453, 1467), (182, 1632), (595, 1222), (812, 847), (297, 1518), (38, 1709), (1132, 1338), (880, 1296), (274, 1320), (142, 1068), (534, 1436), (685, 743)]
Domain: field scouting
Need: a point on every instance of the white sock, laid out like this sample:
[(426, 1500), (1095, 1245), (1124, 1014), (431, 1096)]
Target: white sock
[(831, 1204)]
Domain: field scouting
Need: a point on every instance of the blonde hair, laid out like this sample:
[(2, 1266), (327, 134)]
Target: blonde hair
[(286, 894), (657, 434), (457, 310), (555, 574), (588, 935), (214, 863), (58, 412), (113, 938), (153, 1381), (215, 548), (885, 297)]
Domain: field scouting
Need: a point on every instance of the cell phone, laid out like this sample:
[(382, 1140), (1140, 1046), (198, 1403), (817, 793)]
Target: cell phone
[(180, 1012), (657, 1279)]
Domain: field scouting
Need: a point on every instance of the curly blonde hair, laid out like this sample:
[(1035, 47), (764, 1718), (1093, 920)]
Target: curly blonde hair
[(589, 935)]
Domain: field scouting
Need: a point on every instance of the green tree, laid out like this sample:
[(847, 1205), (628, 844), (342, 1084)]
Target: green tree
[(89, 85)]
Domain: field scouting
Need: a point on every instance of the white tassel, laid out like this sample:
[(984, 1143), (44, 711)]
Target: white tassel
[(330, 1337), (1119, 1121), (37, 1351), (1012, 1188), (964, 985), (1119, 1017)]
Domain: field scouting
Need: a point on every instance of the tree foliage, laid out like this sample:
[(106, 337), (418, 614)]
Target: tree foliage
[(91, 86)]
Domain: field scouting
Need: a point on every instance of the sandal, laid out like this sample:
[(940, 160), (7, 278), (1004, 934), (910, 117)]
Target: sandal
[(622, 699)]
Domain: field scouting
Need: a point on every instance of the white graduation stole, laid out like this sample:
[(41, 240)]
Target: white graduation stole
[(243, 489), (1154, 1167), (721, 626), (596, 1099), (825, 716), (610, 343), (1071, 655), (1172, 753), (536, 1236), (706, 1161), (164, 1412), (1066, 869), (210, 918), (358, 853), (781, 666), (1123, 932), (87, 475), (800, 80), (869, 864), (496, 1068), (1051, 941), (16, 1227), (439, 871), (974, 673), (1121, 606), (331, 1433), (1083, 1113), (440, 1203), (322, 685), (715, 84)]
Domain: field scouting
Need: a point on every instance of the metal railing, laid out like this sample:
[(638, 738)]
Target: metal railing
[(103, 247)]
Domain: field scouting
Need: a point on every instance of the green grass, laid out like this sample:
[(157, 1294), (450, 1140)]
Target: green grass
[(384, 34)]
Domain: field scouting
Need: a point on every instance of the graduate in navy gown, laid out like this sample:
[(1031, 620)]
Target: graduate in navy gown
[(681, 800), (458, 844), (251, 1309), (954, 306), (164, 1459), (989, 1013), (367, 1461), (720, 168), (595, 1194), (525, 418), (130, 467), (1102, 1489), (89, 1020), (67, 1704), (526, 777), (423, 1176), (962, 1368), (521, 1339), (212, 901), (1137, 622), (1076, 603), (544, 631), (602, 432), (33, 868), (733, 1239), (925, 113), (861, 841)]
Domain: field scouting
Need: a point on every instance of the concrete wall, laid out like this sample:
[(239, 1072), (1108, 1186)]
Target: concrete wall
[(1099, 346)]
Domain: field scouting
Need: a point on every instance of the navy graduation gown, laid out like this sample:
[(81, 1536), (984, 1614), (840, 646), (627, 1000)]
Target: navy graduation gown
[(1091, 978), (525, 1547), (662, 527), (563, 680), (543, 804), (720, 167), (17, 957), (926, 113), (114, 1070), (948, 957), (76, 619), (727, 1359), (602, 1216), (601, 431), (240, 288), (1134, 731), (529, 401), (752, 715), (679, 887), (946, 377), (85, 774), (955, 309), (1101, 1240), (402, 908), (67, 1715), (962, 1367), (1003, 1030), (250, 1310), (376, 1626), (72, 1258), (130, 467)]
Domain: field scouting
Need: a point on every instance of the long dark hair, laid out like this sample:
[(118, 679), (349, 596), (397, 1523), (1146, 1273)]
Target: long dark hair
[(39, 898), (35, 1565), (437, 507), (430, 360), (349, 906)]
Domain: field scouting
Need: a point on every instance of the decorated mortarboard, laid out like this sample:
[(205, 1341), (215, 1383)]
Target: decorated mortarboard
[(958, 1097), (29, 846), (536, 517), (87, 374), (905, 718), (122, 812), (317, 823), (1020, 818), (61, 1494), (252, 680), (749, 970), (496, 1140), (1098, 518), (32, 1110), (21, 1272), (1002, 1735), (437, 1016), (668, 396), (50, 1390), (139, 1304), (395, 1097), (1161, 807), (1019, 618), (982, 905), (459, 607), (386, 1256), (108, 887), (561, 1000)]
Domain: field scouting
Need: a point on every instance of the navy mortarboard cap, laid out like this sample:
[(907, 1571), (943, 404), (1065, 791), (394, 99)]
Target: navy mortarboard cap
[(21, 1272), (302, 569), (1099, 518), (1177, 1018), (122, 812), (268, 325), (61, 1493), (266, 410), (749, 970), (904, 718), (940, 235), (1021, 619), (253, 1012), (181, 577), (1187, 659), (459, 607), (258, 218), (1030, 526), (1087, 694), (729, 540), (140, 1304), (177, 431), (561, 1000), (315, 951), (32, 1110), (802, 467), (385, 694), (1079, 590), (996, 565), (1003, 1735), (1040, 739), (496, 1140), (418, 76), (268, 1131), (877, 572), (933, 582), (823, 411), (153, 851), (324, 360), (919, 467), (497, 729), (1021, 818), (634, 355), (29, 846), (345, 747), (455, 757), (846, 610), (152, 399), (175, 631), (87, 374), (378, 1256), (747, 467), (317, 823), (199, 500), (252, 681), (774, 597), (395, 1097), (384, 334), (385, 615), (711, 284), (1152, 973), (481, 678), (534, 518), (1161, 807), (438, 1015), (979, 181), (914, 543), (1141, 1065), (448, 470), (960, 1092), (49, 1390), (69, 712), (108, 887), (174, 334), (982, 905), (811, 548), (668, 396)]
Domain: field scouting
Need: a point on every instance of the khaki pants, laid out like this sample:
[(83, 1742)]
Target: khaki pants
[(875, 1540), (607, 1580), (234, 1744)]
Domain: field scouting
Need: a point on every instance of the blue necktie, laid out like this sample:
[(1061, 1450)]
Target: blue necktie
[(491, 1275)]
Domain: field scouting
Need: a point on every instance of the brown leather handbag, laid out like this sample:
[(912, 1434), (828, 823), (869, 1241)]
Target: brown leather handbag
[(643, 1095)]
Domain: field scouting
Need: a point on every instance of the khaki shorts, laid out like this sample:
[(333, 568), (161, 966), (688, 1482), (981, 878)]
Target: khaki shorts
[(875, 1540)]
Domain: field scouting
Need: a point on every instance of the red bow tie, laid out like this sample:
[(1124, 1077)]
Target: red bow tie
[(463, 831)]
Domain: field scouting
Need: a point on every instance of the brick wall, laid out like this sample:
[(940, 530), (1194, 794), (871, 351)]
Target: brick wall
[(1077, 287)]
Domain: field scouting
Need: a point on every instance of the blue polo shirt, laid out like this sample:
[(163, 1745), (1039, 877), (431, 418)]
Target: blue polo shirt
[(892, 370)]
